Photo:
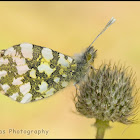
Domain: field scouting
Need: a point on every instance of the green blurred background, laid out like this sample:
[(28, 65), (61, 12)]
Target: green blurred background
[(68, 27)]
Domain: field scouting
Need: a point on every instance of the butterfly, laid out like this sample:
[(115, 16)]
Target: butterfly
[(30, 72)]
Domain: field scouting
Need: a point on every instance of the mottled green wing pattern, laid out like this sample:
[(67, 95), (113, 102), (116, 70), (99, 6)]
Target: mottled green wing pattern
[(29, 72)]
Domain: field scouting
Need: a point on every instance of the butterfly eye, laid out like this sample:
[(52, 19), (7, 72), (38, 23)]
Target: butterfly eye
[(89, 57)]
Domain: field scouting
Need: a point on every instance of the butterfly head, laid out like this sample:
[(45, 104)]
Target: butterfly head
[(89, 55), (83, 61)]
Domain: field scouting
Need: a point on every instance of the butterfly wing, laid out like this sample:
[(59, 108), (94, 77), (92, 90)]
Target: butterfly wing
[(30, 72)]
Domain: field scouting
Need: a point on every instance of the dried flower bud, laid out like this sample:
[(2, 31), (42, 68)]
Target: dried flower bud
[(106, 94)]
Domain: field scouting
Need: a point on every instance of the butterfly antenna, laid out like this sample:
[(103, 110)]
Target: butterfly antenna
[(112, 20)]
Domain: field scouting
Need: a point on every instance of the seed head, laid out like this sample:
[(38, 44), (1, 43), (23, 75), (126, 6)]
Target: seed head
[(108, 94)]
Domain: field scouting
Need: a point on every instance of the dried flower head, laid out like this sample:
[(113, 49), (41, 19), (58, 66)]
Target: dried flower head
[(108, 94)]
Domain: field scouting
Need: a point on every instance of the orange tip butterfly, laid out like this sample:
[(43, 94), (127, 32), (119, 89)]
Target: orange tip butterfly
[(30, 72)]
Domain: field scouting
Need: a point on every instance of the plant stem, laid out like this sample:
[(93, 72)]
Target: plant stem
[(101, 127)]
